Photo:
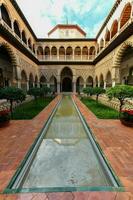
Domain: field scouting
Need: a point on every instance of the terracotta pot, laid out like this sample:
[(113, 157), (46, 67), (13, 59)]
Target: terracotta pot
[(4, 124), (127, 123)]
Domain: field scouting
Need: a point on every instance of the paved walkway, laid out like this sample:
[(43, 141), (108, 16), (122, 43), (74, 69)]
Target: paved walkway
[(115, 139)]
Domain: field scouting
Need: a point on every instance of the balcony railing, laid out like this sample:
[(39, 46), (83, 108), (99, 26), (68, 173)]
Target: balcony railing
[(66, 58)]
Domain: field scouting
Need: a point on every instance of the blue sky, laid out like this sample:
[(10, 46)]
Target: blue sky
[(45, 14)]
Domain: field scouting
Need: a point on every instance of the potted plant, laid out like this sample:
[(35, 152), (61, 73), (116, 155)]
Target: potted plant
[(122, 92), (126, 116), (4, 116)]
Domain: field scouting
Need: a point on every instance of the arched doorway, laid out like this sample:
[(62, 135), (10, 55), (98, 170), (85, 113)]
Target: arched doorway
[(108, 80), (89, 82), (67, 85), (6, 68), (66, 80), (79, 84)]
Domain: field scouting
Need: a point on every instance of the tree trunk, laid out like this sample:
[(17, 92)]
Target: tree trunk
[(121, 104), (97, 98), (11, 108)]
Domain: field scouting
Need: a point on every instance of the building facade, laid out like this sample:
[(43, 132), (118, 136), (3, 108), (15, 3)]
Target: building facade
[(66, 60)]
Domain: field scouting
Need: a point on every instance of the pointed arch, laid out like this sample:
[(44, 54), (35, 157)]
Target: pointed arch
[(119, 55), (66, 75), (77, 53), (92, 52), (62, 53), (69, 53), (16, 28), (24, 37), (79, 84), (29, 44), (5, 15), (53, 84), (108, 79), (125, 15), (114, 28), (47, 53), (54, 53), (43, 81), (40, 52), (89, 81), (85, 53), (107, 36)]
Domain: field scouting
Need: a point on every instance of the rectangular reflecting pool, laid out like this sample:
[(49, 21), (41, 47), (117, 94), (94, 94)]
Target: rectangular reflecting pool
[(66, 157)]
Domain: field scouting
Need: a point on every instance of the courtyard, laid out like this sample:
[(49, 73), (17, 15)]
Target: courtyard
[(66, 100), (116, 146)]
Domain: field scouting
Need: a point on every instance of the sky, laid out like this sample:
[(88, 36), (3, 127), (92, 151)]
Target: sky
[(45, 14)]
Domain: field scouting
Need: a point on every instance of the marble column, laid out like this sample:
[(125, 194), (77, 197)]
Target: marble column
[(105, 84), (28, 85), (19, 84), (58, 88), (74, 87)]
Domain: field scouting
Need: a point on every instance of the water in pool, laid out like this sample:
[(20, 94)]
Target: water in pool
[(66, 157)]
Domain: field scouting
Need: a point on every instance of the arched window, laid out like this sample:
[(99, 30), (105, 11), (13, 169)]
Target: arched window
[(5, 16), (114, 28), (16, 29), (47, 53), (54, 53), (107, 36), (40, 52), (24, 37), (77, 53), (92, 53), (62, 53), (125, 16), (69, 53), (29, 44), (85, 53)]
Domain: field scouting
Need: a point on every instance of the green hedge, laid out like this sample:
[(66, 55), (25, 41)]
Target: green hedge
[(30, 109), (100, 110)]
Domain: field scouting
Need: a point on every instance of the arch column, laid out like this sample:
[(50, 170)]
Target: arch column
[(28, 87), (115, 76), (74, 84), (19, 83), (105, 84), (58, 84)]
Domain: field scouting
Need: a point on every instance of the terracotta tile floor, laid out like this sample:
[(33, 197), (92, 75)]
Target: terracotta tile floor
[(115, 139)]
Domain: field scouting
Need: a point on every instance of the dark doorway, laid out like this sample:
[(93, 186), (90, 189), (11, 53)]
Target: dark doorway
[(67, 85)]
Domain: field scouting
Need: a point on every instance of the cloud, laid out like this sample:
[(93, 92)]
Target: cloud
[(45, 14)]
